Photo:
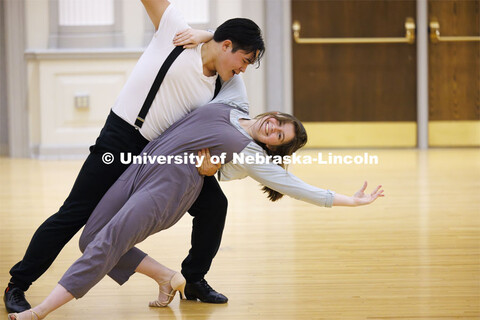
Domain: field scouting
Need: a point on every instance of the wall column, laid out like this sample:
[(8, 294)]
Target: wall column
[(16, 78)]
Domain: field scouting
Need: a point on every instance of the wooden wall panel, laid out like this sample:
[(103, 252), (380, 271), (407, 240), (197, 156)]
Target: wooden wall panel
[(454, 67), (354, 82)]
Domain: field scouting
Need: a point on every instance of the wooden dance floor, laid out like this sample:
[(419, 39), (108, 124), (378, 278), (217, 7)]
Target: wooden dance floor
[(414, 254)]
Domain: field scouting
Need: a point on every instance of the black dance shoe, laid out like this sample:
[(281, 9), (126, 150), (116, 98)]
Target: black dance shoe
[(15, 301), (202, 291)]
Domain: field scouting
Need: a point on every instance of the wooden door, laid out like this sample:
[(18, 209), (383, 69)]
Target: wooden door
[(357, 95), (355, 84), (454, 75)]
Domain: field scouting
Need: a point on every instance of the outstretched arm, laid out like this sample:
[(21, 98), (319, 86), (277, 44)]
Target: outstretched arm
[(155, 10), (276, 178)]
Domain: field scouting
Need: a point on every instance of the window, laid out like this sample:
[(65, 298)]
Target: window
[(85, 24)]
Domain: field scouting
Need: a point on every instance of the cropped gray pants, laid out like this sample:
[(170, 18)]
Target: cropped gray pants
[(127, 214)]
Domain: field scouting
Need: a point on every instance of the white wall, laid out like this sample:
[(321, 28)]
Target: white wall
[(36, 16)]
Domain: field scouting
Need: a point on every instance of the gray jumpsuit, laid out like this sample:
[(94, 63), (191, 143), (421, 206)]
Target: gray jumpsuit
[(148, 198)]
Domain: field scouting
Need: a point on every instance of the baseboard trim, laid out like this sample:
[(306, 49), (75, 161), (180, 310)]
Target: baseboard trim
[(361, 134), (454, 133)]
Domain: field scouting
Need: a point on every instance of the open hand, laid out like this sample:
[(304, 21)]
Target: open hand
[(190, 38), (360, 198)]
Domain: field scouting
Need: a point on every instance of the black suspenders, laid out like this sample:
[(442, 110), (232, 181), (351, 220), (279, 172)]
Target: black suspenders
[(156, 85), (158, 81), (218, 86)]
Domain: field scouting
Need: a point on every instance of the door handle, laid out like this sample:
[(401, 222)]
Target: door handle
[(409, 36), (435, 36)]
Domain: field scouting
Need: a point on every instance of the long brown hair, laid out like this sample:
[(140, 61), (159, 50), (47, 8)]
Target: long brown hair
[(286, 149)]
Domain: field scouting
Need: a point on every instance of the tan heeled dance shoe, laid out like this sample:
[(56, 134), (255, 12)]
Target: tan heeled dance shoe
[(177, 282), (14, 316)]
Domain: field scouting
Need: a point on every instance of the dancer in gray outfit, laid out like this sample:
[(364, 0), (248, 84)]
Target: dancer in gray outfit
[(148, 198)]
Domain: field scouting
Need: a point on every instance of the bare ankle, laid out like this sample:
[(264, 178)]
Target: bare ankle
[(164, 276)]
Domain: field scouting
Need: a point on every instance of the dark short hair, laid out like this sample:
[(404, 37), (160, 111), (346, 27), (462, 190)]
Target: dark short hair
[(244, 34)]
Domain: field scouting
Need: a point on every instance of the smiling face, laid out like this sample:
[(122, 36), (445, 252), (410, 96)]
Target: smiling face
[(230, 63), (273, 132)]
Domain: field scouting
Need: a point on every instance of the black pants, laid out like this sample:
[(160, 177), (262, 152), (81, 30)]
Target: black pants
[(93, 181)]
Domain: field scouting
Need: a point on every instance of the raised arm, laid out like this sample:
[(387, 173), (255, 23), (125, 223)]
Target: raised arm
[(155, 10)]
